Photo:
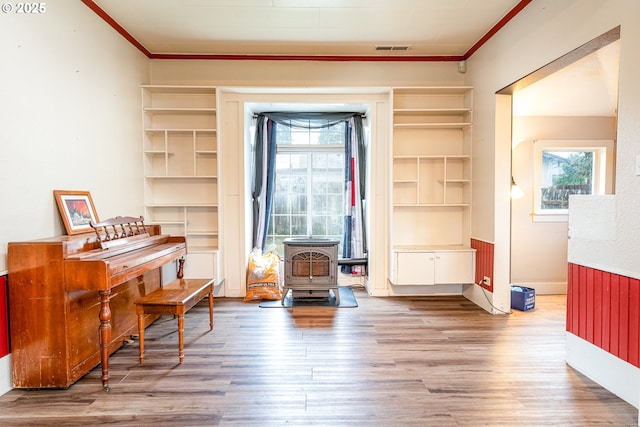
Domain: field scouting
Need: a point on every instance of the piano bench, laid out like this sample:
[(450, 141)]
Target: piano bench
[(175, 298)]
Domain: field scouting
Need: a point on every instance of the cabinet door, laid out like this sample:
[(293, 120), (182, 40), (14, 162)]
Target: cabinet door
[(414, 268), (454, 267), (200, 266)]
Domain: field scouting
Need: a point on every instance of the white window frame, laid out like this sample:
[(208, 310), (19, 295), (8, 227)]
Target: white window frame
[(602, 174)]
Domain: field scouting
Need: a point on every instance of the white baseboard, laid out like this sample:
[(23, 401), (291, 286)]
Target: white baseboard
[(6, 383), (614, 374)]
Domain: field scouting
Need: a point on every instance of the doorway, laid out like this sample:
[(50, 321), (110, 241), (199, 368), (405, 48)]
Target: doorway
[(568, 106)]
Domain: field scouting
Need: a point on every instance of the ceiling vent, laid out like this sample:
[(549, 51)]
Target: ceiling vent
[(388, 48)]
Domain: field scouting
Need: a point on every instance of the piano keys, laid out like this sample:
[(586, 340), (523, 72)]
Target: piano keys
[(71, 301)]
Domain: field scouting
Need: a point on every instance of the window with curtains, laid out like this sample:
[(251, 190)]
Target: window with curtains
[(309, 179), (308, 196)]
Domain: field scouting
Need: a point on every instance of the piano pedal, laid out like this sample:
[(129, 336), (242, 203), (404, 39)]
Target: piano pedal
[(131, 339)]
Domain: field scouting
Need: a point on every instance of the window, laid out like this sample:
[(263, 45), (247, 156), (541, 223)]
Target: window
[(565, 168), (308, 198)]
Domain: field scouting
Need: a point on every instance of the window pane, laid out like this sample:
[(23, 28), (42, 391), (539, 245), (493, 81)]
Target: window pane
[(298, 203), (283, 134), (565, 173), (334, 204), (319, 204), (281, 183), (335, 186), (319, 227), (334, 135), (335, 225), (280, 204), (287, 135), (319, 184), (300, 136), (298, 183), (298, 225), (281, 224)]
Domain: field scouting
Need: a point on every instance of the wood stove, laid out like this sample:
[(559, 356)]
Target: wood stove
[(311, 265)]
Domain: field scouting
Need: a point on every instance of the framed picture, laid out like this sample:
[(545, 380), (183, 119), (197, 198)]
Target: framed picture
[(76, 209)]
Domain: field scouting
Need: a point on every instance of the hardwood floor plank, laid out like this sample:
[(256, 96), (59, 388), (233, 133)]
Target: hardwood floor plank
[(401, 361)]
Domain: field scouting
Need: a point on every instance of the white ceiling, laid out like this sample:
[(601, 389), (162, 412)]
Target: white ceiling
[(307, 27), (431, 28), (587, 87)]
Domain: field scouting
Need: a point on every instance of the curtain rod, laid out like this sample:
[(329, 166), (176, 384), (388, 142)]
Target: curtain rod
[(363, 115)]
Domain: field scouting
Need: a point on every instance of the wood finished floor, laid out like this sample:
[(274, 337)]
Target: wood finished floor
[(429, 361)]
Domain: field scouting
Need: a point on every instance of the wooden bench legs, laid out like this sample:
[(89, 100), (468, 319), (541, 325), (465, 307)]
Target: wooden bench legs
[(175, 298)]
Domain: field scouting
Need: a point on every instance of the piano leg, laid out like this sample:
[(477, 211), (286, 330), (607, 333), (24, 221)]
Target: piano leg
[(140, 312), (211, 309), (181, 333), (105, 336)]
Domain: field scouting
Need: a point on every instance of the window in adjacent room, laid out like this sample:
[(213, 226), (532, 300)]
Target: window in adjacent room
[(565, 168)]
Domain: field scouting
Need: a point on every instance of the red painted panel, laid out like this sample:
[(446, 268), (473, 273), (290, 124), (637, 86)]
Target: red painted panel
[(484, 261), (477, 245), (491, 263), (606, 311), (634, 322), (4, 317), (570, 305), (582, 303), (589, 308), (597, 308), (614, 335), (623, 325), (572, 299)]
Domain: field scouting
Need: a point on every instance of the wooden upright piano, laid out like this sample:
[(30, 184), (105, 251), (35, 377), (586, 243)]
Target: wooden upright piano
[(71, 300)]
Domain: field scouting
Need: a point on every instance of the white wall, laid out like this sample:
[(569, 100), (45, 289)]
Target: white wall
[(542, 32), (70, 105), (70, 108), (303, 74)]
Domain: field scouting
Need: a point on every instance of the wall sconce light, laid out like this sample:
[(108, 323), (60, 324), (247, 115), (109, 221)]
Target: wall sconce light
[(516, 192)]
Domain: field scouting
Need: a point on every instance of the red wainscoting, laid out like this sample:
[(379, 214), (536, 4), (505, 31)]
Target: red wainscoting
[(604, 309), (484, 262), (4, 318)]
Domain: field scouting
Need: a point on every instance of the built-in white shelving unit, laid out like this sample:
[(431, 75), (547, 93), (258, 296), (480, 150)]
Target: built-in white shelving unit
[(180, 152), (431, 188)]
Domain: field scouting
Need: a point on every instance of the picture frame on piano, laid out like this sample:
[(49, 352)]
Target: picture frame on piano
[(76, 209)]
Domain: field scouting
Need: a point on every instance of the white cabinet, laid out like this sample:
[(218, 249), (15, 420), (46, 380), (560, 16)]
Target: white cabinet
[(431, 266), (180, 152), (414, 268), (431, 184)]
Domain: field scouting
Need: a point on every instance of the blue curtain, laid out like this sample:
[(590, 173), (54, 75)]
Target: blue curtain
[(264, 157)]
